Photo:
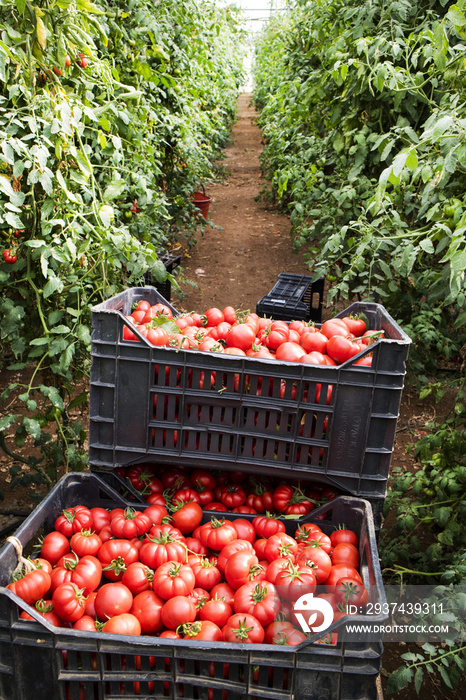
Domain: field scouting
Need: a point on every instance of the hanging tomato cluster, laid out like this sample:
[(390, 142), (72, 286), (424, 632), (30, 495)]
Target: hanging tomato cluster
[(226, 331), (135, 572), (226, 491)]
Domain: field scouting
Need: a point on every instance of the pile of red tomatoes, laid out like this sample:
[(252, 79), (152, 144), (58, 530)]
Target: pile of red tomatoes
[(226, 331), (225, 491), (134, 572)]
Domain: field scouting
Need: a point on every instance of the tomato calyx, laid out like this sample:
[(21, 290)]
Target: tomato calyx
[(259, 593), (241, 632), (174, 572), (280, 639), (71, 561), (43, 606), (254, 571), (118, 566), (192, 629), (216, 522)]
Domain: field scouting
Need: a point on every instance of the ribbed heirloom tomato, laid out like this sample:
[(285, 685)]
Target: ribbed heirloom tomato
[(32, 586), (173, 579)]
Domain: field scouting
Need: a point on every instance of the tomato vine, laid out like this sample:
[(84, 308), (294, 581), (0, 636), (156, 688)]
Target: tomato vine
[(110, 115)]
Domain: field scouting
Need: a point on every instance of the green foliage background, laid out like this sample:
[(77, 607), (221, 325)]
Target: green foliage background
[(97, 162), (364, 121)]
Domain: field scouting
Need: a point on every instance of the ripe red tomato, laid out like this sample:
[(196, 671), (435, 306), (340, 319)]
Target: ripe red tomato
[(294, 581), (280, 545), (290, 352), (233, 496), (9, 257), (241, 336), (350, 591), (178, 610), (115, 556), (69, 602), (215, 534), (54, 546), (87, 573), (202, 631), (85, 542), (206, 573), (216, 610), (245, 529), (266, 526), (224, 591), (157, 550), (237, 545), (112, 599), (342, 349), (187, 518), (156, 513), (355, 325), (345, 553), (244, 629), (123, 624), (138, 577), (343, 535), (229, 314), (258, 599), (73, 520), (339, 571), (317, 560), (32, 586), (214, 316), (173, 579), (334, 326), (314, 342), (147, 607), (241, 567)]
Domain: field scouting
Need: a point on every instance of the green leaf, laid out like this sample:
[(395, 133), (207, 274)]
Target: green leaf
[(399, 679), (412, 160), (114, 190), (78, 400), (62, 183), (456, 16), (445, 677), (13, 220), (427, 246), (441, 126), (53, 285), (418, 677), (33, 427), (6, 421)]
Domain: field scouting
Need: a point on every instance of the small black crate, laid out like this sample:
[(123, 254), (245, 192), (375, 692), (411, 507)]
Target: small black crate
[(170, 260), (68, 663), (293, 298)]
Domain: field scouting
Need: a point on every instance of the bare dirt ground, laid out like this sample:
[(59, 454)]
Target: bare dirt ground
[(236, 262)]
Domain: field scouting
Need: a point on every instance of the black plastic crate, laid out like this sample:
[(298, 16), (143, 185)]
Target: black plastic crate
[(170, 260), (293, 298), (255, 415), (65, 663)]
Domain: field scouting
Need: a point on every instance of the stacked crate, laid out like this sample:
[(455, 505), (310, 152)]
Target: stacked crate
[(334, 425)]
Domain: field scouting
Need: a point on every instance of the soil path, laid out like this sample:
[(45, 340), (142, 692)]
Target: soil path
[(237, 261)]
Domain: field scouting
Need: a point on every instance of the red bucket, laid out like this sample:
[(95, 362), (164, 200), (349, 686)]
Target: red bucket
[(201, 201)]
